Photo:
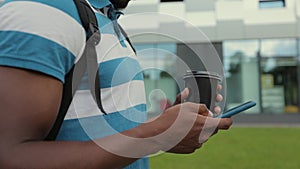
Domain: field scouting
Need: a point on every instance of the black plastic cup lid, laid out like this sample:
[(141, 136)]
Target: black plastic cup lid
[(195, 73)]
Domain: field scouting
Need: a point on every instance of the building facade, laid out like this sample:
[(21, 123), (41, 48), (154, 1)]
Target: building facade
[(257, 42)]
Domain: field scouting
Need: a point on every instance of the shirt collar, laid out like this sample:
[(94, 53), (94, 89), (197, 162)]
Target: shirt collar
[(112, 12), (106, 7), (100, 3)]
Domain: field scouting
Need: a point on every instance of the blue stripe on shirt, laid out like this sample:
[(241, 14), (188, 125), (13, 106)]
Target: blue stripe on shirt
[(33, 52), (94, 127), (100, 126), (119, 71)]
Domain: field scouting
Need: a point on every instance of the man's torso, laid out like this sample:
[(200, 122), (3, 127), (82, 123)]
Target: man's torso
[(47, 36)]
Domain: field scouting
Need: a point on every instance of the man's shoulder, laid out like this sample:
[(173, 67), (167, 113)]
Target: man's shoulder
[(62, 7), (30, 29)]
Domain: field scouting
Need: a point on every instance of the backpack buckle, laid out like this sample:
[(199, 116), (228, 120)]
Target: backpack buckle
[(93, 34)]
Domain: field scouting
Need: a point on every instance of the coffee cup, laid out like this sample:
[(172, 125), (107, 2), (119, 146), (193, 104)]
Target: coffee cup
[(202, 87)]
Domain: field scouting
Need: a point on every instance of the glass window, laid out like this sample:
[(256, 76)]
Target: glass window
[(278, 47), (271, 3), (279, 75), (171, 0), (241, 70), (157, 62)]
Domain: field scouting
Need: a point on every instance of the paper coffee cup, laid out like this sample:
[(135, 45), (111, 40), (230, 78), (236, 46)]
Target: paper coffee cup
[(202, 87)]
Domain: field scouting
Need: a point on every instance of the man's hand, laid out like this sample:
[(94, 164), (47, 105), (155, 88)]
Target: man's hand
[(184, 127), (185, 93)]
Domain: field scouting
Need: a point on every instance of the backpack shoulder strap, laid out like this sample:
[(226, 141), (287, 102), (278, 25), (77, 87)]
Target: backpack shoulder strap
[(89, 22), (127, 38)]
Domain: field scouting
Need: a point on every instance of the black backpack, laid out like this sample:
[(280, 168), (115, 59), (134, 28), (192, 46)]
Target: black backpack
[(87, 62)]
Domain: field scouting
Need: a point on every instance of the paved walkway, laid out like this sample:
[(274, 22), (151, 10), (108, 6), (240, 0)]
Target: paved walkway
[(267, 120)]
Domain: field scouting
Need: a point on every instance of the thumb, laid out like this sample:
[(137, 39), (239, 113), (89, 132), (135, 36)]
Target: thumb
[(182, 96), (185, 93), (202, 110)]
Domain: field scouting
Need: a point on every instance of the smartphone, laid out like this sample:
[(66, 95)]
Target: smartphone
[(237, 109)]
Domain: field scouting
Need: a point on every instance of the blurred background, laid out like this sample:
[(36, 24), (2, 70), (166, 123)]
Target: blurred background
[(258, 43)]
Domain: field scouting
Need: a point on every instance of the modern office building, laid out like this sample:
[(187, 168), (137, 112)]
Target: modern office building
[(257, 42)]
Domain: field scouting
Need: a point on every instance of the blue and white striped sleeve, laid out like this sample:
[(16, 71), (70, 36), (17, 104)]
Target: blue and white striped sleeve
[(39, 37)]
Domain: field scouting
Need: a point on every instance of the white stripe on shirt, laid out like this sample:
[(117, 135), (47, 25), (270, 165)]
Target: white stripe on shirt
[(44, 21), (114, 99), (110, 48)]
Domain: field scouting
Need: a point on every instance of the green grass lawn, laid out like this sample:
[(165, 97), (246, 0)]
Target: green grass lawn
[(240, 148)]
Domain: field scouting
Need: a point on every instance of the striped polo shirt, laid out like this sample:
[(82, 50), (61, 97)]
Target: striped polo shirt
[(47, 36)]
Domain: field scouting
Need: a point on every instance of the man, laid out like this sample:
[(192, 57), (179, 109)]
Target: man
[(40, 42)]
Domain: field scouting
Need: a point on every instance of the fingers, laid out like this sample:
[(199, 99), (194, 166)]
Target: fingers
[(210, 114), (202, 110), (179, 149), (225, 123), (219, 87), (218, 123), (217, 109), (183, 95), (211, 127), (203, 128), (219, 98)]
